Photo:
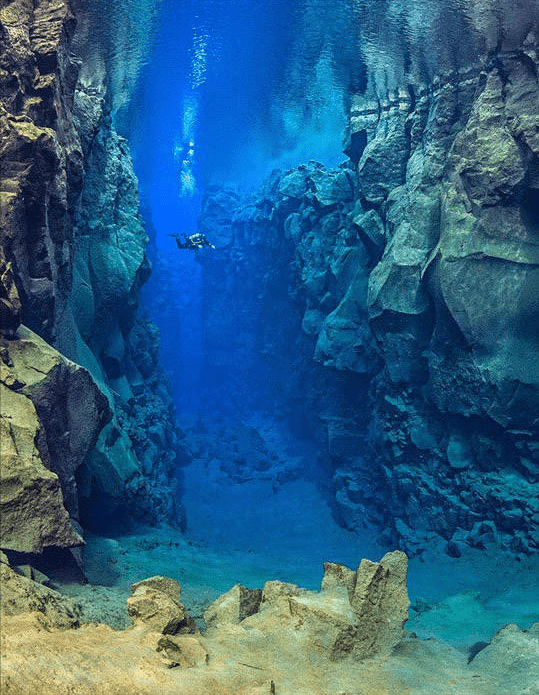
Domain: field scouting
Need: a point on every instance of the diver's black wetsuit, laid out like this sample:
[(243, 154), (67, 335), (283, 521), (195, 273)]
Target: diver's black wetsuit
[(193, 242)]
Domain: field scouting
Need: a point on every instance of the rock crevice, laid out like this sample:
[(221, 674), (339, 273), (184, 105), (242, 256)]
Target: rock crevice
[(413, 268)]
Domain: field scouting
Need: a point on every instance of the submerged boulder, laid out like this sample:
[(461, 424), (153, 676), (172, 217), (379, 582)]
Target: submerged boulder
[(234, 606), (155, 605), (356, 614)]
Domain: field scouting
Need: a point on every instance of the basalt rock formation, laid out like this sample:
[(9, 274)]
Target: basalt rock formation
[(88, 422), (42, 167), (413, 270), (451, 300)]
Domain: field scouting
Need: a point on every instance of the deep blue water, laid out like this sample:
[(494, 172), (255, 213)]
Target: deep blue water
[(224, 92), (230, 90)]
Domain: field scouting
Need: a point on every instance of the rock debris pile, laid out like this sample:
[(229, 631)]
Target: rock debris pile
[(348, 637)]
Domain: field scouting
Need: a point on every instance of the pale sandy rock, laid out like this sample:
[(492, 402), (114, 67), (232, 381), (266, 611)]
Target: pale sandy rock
[(274, 591), (166, 585), (155, 609), (234, 606), (381, 603), (22, 595), (357, 614), (182, 651), (512, 657), (298, 653), (328, 622), (338, 576), (97, 659)]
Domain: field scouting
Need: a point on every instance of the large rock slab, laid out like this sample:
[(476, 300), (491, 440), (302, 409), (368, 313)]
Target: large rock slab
[(380, 602), (234, 606), (357, 614), (489, 253), (512, 659), (32, 514), (70, 407), (378, 596), (326, 623)]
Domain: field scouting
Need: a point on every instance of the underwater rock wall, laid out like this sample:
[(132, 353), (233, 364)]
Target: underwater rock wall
[(415, 269), (132, 467), (41, 174), (449, 177), (72, 263)]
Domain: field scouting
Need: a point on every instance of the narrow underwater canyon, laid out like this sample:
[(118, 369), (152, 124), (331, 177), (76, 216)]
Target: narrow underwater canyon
[(349, 369)]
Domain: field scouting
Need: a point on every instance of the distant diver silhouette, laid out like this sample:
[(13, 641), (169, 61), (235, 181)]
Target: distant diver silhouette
[(193, 242)]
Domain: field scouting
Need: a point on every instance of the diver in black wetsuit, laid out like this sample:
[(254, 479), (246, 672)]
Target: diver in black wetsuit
[(193, 242)]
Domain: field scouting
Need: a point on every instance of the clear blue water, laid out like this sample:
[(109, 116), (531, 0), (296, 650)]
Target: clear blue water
[(226, 91), (229, 90)]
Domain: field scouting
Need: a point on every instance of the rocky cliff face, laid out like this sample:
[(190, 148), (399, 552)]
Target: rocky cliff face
[(415, 269), (451, 304), (72, 263), (41, 173), (132, 466)]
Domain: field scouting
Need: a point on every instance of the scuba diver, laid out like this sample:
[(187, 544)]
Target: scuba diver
[(192, 241)]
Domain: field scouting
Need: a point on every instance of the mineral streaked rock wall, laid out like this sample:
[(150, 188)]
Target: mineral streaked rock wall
[(416, 266), (72, 263), (451, 301)]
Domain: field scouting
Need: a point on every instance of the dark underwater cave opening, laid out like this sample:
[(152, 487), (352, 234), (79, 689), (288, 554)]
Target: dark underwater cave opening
[(530, 209), (57, 564)]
